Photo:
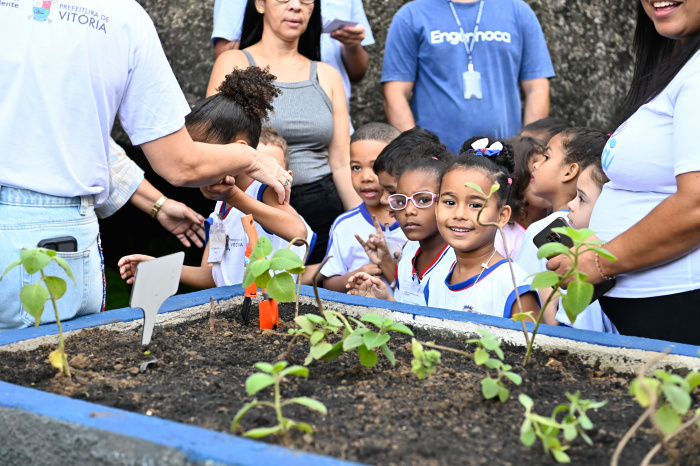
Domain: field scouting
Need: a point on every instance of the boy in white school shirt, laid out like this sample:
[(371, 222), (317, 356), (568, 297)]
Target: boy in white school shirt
[(368, 219)]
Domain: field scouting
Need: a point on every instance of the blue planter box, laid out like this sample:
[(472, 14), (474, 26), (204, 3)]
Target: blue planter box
[(82, 432)]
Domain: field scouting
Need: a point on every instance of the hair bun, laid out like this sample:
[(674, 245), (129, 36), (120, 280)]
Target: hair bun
[(252, 88), (505, 157)]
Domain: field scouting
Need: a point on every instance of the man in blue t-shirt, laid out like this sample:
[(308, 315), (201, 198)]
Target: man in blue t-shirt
[(427, 55), (344, 48)]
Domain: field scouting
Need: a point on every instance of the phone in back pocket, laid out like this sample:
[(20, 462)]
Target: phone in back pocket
[(60, 244), (549, 236)]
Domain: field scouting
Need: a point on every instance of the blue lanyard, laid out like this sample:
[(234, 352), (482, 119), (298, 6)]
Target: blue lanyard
[(468, 48)]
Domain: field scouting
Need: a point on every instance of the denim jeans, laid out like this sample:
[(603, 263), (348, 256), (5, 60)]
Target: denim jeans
[(26, 218)]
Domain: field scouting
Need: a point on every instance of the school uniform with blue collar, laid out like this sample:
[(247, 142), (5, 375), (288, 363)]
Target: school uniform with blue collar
[(232, 266), (348, 254), (490, 292), (410, 283)]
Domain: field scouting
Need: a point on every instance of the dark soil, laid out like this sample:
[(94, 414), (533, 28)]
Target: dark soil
[(383, 415)]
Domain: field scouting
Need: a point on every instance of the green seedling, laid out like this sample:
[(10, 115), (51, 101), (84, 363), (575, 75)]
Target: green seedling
[(274, 273), (667, 398), (550, 430), (424, 362), (579, 292), (493, 387), (274, 375), (316, 330), (361, 338), (49, 287)]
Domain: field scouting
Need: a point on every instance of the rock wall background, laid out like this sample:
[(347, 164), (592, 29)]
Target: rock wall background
[(589, 43)]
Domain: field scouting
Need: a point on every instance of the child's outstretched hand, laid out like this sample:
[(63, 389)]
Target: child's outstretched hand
[(363, 284), (378, 251), (127, 266)]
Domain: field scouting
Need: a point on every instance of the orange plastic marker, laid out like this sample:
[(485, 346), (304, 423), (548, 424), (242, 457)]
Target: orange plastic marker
[(269, 315)]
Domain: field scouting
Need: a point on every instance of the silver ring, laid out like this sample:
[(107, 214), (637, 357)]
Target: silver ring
[(286, 182)]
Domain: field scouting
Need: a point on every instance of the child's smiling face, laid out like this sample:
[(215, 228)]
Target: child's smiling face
[(458, 207), (364, 180), (418, 223)]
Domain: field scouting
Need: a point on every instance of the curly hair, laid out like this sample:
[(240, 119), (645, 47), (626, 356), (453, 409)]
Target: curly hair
[(243, 102)]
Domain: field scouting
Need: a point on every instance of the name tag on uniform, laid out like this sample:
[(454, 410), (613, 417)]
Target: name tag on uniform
[(217, 242)]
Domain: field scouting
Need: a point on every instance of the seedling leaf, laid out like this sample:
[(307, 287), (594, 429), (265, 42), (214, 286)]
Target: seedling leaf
[(263, 366), (281, 287), (295, 370), (560, 456), (263, 431), (368, 358), (373, 319), (481, 356), (285, 259), (64, 265), (401, 328), (320, 350), (310, 403), (475, 187), (263, 248), (33, 298), (668, 419), (259, 267), (552, 249), (257, 382), (526, 401), (34, 260), (677, 397), (577, 298), (544, 280), (373, 340), (389, 355), (241, 412), (56, 286), (515, 378), (56, 359), (10, 267), (305, 324), (693, 379), (489, 387)]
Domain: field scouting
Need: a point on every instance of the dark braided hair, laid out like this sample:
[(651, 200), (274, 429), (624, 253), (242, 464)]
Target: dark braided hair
[(497, 167), (243, 102)]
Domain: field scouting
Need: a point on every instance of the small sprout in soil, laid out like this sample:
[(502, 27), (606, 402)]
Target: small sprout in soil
[(491, 387), (548, 429), (35, 296), (316, 329), (667, 398), (424, 362), (579, 292), (275, 273), (274, 375)]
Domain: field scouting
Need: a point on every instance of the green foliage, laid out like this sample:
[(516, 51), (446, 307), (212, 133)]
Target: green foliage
[(274, 375), (35, 296), (579, 292), (551, 431), (424, 361), (493, 387), (364, 339), (273, 273), (672, 393)]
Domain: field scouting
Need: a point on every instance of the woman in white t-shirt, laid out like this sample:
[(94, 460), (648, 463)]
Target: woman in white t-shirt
[(64, 80), (649, 212)]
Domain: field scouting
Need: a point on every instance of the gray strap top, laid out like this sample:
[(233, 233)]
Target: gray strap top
[(303, 116)]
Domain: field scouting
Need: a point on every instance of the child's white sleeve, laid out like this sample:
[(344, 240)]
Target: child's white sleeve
[(335, 265)]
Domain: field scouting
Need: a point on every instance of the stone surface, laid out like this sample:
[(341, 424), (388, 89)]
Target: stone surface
[(589, 43)]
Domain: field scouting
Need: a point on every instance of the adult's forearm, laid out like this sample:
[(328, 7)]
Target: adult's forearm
[(343, 184), (669, 231), (356, 61), (536, 104), (398, 113), (145, 196)]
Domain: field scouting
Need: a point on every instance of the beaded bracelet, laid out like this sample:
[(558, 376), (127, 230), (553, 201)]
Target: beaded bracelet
[(600, 271)]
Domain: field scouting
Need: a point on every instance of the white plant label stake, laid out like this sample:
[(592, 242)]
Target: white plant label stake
[(155, 281)]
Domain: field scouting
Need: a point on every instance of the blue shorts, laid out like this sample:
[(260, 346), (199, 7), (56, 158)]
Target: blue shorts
[(26, 218)]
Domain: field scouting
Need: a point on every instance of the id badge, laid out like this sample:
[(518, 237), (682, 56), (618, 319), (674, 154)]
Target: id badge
[(472, 84), (217, 242)]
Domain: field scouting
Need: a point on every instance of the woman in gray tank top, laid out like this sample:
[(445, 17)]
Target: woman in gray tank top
[(310, 114)]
